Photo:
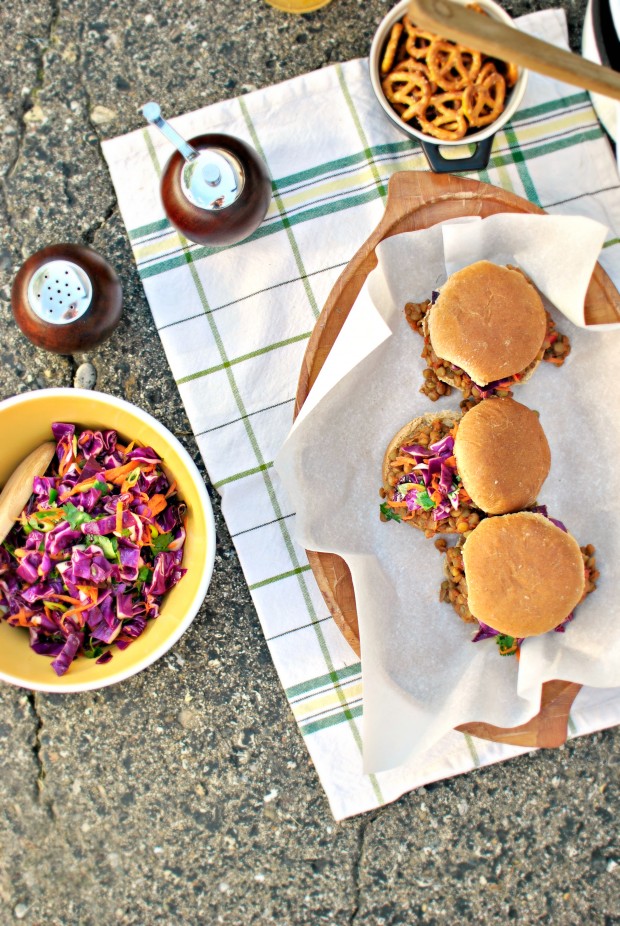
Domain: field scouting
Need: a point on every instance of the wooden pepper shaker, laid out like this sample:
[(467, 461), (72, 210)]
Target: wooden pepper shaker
[(215, 189)]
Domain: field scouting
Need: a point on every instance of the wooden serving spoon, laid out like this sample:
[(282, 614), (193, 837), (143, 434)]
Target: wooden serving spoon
[(18, 488), (456, 22)]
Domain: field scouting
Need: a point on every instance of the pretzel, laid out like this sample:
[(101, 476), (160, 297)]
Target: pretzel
[(484, 100), (452, 67), (391, 48), (485, 71), (443, 120), (511, 72), (410, 89), (411, 65), (418, 41)]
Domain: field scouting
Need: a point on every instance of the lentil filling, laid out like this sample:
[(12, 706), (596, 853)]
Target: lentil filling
[(554, 349), (454, 586)]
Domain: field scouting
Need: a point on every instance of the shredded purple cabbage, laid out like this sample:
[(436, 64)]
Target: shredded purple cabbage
[(433, 483), (94, 550)]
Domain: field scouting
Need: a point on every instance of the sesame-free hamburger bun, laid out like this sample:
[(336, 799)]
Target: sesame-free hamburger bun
[(524, 574), (500, 458), (502, 455), (489, 321)]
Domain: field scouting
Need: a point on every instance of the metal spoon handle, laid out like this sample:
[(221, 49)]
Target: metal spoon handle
[(152, 113)]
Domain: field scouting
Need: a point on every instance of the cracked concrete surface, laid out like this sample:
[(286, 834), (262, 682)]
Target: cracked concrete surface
[(153, 802)]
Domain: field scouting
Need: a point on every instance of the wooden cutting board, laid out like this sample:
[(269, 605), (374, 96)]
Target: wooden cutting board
[(415, 201)]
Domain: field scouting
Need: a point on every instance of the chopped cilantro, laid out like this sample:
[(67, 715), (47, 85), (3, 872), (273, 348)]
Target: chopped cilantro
[(94, 652), (102, 486), (426, 501), (53, 495), (160, 543), (507, 645), (388, 513), (144, 575)]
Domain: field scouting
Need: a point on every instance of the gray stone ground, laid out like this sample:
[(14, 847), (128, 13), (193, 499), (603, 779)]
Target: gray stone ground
[(145, 803)]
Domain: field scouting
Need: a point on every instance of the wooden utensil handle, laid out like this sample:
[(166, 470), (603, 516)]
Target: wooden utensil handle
[(456, 22)]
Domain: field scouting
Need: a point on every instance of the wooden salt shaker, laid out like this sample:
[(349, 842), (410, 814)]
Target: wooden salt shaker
[(66, 298)]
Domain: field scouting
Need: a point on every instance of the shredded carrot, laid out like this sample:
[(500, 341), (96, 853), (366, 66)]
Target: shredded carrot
[(78, 606), (171, 490), (80, 487), (119, 517), (67, 598), (118, 473), (65, 463), (21, 618), (157, 503)]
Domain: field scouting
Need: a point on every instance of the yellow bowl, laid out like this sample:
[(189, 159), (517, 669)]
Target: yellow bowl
[(25, 422)]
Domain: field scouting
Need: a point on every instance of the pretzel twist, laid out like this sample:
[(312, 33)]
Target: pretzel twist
[(484, 101), (391, 48), (418, 40), (412, 65), (410, 89), (444, 118), (451, 66)]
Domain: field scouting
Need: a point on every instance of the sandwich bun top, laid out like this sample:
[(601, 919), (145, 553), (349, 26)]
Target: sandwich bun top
[(502, 455), (489, 321), (524, 575)]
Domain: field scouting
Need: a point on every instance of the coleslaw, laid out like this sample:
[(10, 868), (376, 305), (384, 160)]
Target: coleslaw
[(96, 548)]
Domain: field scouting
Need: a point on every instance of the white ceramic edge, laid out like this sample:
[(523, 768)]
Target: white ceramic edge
[(606, 108), (373, 66), (199, 597)]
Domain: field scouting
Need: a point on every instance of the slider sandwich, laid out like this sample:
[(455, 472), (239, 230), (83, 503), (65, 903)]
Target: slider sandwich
[(516, 576), (487, 330), (443, 472)]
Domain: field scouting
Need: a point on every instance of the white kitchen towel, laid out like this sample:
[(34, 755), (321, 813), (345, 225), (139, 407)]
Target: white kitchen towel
[(235, 323)]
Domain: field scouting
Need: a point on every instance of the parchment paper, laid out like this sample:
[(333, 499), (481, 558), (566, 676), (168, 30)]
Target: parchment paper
[(422, 675)]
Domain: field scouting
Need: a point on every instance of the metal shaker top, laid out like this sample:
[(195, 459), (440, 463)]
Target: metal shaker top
[(59, 292), (213, 180)]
